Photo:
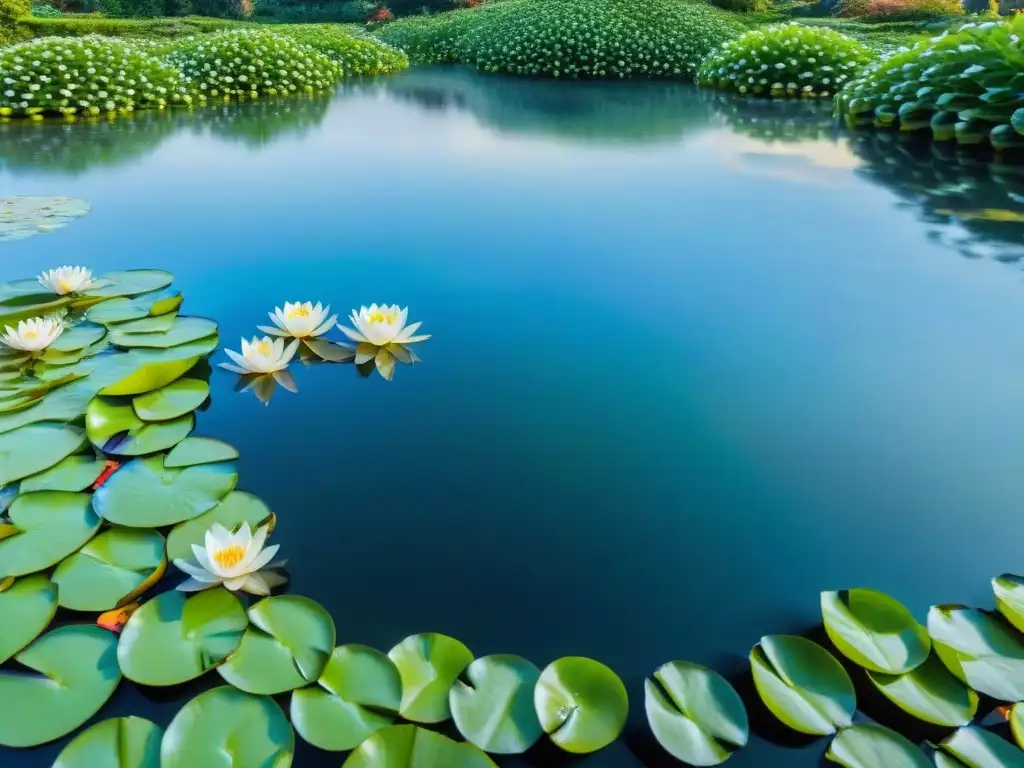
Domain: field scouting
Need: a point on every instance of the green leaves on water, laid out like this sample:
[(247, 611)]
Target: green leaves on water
[(409, 746), (120, 310), (975, 747), (26, 609), (287, 645), (177, 399), (33, 710), (582, 705), (930, 693), (145, 494), (181, 331), (131, 282), (199, 450), (236, 508), (224, 723), (494, 710), (34, 448), (111, 570), (173, 638), (45, 527), (874, 631), (75, 473), (1009, 593), (78, 338), (695, 714), (121, 742), (873, 746), (979, 650), (429, 664), (802, 684), (358, 693), (27, 215), (114, 427)]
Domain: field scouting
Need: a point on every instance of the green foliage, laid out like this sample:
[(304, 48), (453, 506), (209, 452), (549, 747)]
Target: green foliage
[(44, 11), (743, 6), (158, 29), (431, 39), (901, 10), (784, 60), (342, 11), (356, 56), (86, 75), (250, 62), (12, 10)]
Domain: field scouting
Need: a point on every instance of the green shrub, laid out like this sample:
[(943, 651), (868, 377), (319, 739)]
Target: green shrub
[(339, 11), (12, 10), (597, 38), (965, 86), (356, 56), (84, 75), (251, 62), (872, 11), (784, 60), (743, 6), (431, 39), (43, 11), (82, 25)]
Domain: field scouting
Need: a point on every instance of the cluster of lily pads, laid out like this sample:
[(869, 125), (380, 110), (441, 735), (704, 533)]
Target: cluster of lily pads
[(784, 60)]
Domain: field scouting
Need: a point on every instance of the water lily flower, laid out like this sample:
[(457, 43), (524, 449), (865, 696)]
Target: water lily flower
[(382, 325), (300, 320), (264, 355), (232, 559), (33, 335), (65, 280)]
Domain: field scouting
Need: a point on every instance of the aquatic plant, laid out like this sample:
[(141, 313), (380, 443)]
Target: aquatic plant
[(300, 320), (382, 337), (963, 87), (237, 560), (248, 63), (86, 75), (30, 215), (264, 355), (784, 60), (357, 56)]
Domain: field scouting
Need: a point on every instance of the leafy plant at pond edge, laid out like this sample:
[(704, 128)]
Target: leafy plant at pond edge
[(357, 56)]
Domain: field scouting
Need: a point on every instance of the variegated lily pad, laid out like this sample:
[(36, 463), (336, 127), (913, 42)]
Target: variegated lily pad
[(27, 215)]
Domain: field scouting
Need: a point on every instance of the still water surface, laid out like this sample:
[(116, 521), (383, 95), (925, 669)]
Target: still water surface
[(694, 360)]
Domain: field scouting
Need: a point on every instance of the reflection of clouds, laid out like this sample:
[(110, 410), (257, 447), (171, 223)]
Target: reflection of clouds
[(818, 162)]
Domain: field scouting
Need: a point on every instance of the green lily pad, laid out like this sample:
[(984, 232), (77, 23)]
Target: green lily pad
[(22, 299), (45, 527), (409, 746), (874, 631), (695, 714), (61, 405), (121, 742), (977, 748), (27, 215), (35, 710), (872, 746), (131, 282), (78, 338), (494, 710), (287, 645), (930, 693), (237, 507), (122, 309), (1016, 720), (1009, 592), (979, 650), (31, 449), (802, 684), (113, 569), (75, 473), (199, 450), (358, 693), (26, 609), (173, 638), (173, 401), (158, 324), (429, 664), (147, 369), (182, 331), (582, 705), (145, 494), (114, 427), (229, 728)]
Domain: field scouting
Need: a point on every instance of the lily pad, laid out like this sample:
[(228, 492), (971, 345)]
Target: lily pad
[(1009, 592), (45, 527), (158, 324), (409, 746), (26, 609), (27, 215), (977, 748), (494, 710), (429, 664), (182, 331), (287, 645), (237, 507), (145, 494), (695, 714), (358, 693), (176, 399), (874, 631), (121, 742), (979, 650), (79, 337), (802, 684), (1016, 719), (35, 710), (34, 448), (872, 746), (122, 310), (199, 450), (114, 427), (582, 705), (173, 638), (225, 727), (75, 473), (113, 569), (131, 282), (930, 693), (149, 369)]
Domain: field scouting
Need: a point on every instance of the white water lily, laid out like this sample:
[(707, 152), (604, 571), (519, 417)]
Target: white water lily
[(264, 355), (382, 325), (33, 335), (232, 559), (300, 320), (65, 280)]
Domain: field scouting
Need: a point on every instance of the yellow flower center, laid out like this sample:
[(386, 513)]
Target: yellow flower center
[(29, 335), (299, 311), (229, 556), (264, 347), (380, 316), (64, 286)]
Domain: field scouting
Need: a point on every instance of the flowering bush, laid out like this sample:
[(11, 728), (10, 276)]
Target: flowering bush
[(382, 15), (433, 39), (59, 75), (963, 86), (249, 63), (785, 60), (901, 10), (357, 56)]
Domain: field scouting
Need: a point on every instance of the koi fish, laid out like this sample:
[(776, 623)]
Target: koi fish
[(110, 468)]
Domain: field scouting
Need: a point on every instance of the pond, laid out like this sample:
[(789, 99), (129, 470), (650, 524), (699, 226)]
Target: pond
[(694, 360)]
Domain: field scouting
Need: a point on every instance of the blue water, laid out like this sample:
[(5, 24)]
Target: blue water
[(693, 361)]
